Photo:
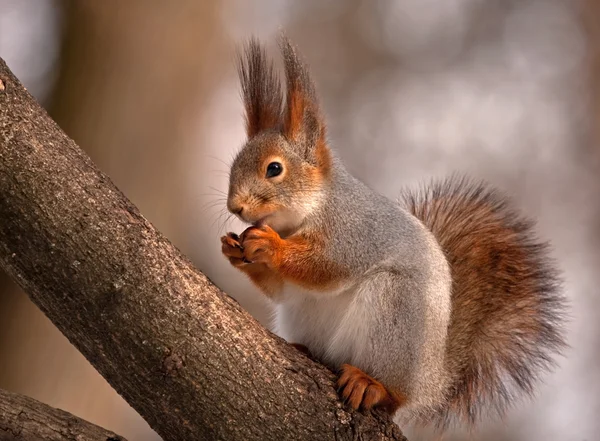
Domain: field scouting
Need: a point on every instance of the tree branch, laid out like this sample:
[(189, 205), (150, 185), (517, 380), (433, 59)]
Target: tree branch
[(23, 418), (181, 352)]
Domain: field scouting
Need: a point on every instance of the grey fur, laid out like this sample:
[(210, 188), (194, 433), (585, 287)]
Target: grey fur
[(391, 319)]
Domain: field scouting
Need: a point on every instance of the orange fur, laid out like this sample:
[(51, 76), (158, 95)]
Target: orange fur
[(360, 390), (297, 259), (293, 127), (265, 278), (323, 157)]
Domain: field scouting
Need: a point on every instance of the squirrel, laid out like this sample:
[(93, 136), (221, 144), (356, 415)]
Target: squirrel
[(437, 308)]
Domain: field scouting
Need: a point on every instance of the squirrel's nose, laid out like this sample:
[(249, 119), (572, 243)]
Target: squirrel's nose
[(236, 208)]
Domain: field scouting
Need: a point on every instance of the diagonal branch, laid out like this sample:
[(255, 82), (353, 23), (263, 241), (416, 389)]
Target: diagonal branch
[(23, 418), (181, 352)]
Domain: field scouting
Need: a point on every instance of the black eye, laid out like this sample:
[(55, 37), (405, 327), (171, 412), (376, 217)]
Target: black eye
[(274, 169)]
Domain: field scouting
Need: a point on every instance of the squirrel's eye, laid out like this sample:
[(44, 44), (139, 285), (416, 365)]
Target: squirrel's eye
[(274, 169)]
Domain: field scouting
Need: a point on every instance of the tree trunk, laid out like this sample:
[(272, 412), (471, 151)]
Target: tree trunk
[(25, 419), (181, 352)]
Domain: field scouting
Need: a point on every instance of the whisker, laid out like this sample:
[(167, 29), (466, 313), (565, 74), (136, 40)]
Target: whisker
[(222, 228), (219, 159), (214, 217), (221, 192), (217, 219), (221, 172), (215, 209), (215, 195), (212, 204)]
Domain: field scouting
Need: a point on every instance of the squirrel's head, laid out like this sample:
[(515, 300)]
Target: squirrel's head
[(278, 177)]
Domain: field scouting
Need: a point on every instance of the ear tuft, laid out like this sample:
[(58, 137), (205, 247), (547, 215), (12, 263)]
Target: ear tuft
[(303, 124), (261, 89)]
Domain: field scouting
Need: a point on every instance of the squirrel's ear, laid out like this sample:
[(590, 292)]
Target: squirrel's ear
[(303, 125), (261, 89)]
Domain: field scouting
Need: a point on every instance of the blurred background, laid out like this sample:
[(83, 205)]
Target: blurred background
[(505, 90)]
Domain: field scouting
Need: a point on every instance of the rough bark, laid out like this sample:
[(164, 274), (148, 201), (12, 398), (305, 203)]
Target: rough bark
[(180, 351), (25, 419)]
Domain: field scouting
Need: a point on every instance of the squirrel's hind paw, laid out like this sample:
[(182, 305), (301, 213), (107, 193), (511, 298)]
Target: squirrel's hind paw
[(360, 390)]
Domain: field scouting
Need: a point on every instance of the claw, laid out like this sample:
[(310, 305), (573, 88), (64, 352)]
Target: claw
[(359, 390)]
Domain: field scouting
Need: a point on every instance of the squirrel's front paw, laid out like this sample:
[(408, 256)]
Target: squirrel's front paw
[(231, 248), (360, 390), (262, 245)]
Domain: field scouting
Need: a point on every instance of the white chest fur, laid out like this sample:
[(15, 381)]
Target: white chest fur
[(333, 325)]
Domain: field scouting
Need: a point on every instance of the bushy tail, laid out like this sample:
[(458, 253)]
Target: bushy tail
[(508, 309)]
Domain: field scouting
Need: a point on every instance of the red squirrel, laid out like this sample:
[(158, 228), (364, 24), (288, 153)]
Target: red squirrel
[(435, 308)]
